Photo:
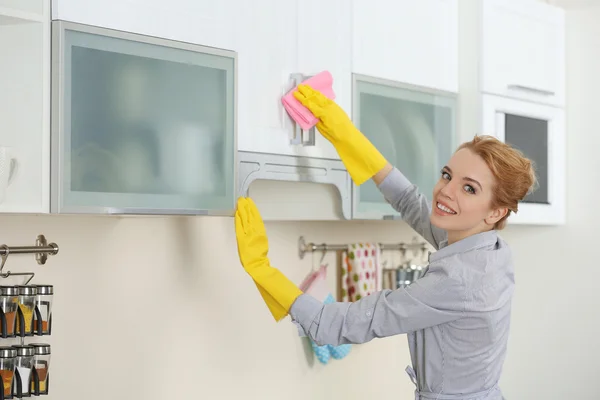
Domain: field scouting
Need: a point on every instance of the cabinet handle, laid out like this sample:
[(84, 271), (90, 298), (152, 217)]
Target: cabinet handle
[(542, 92), (298, 137)]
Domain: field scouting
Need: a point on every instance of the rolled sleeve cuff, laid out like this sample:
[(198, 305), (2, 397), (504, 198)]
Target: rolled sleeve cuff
[(304, 311), (395, 183)]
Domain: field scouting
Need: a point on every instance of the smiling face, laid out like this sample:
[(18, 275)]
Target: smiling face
[(462, 198)]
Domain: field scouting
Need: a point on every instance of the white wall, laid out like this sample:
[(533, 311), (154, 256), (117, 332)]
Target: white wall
[(163, 309), (163, 306)]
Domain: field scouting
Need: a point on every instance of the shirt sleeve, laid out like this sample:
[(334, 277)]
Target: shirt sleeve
[(412, 205), (432, 300)]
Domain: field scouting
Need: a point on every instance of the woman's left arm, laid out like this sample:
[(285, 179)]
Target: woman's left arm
[(432, 300)]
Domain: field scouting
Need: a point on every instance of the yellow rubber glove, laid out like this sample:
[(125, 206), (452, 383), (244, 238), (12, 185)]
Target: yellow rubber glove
[(278, 292), (361, 158)]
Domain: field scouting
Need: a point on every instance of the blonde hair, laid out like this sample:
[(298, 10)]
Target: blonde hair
[(514, 173)]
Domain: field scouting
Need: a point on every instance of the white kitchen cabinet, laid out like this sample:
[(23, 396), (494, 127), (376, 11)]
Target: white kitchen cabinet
[(278, 39), (141, 125), (24, 106), (539, 132), (523, 50), (414, 128), (273, 40), (407, 41)]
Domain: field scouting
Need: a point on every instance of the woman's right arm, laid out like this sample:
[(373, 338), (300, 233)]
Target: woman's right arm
[(363, 162), (412, 205)]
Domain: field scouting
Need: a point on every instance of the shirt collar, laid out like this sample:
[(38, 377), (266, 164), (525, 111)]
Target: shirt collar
[(467, 244)]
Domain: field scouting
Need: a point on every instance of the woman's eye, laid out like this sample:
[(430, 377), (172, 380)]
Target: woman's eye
[(446, 176), (469, 189)]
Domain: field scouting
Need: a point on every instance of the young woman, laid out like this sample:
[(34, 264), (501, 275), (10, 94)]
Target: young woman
[(457, 315)]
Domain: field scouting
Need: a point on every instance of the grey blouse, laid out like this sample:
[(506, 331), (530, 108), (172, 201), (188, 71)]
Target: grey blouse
[(457, 315)]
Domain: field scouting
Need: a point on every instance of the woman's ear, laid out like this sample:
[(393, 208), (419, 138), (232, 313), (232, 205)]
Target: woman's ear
[(496, 215)]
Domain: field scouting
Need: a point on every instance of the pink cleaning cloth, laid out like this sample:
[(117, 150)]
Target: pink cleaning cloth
[(323, 82)]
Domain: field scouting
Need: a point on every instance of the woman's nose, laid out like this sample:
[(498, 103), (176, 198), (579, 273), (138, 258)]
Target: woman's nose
[(448, 190)]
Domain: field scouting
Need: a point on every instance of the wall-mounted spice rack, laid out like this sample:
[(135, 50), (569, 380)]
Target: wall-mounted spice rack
[(25, 311)]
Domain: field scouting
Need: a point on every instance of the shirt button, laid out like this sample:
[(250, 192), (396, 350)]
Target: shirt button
[(368, 313)]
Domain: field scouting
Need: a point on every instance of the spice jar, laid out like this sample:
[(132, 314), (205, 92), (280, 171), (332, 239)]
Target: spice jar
[(8, 306), (45, 293), (41, 364), (23, 367), (27, 300), (7, 370)]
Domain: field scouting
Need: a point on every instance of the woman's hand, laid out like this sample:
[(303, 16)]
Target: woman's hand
[(361, 158), (333, 123), (277, 291), (251, 235)]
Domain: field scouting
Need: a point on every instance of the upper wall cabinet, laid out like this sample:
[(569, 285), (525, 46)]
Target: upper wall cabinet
[(276, 40), (523, 50), (539, 132), (140, 124), (407, 41), (414, 128), (280, 44), (24, 106)]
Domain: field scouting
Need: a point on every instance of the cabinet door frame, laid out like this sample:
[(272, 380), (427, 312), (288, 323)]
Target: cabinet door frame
[(494, 109), (385, 211), (57, 177)]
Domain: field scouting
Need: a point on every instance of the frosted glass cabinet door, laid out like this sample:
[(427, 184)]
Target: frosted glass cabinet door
[(141, 125), (413, 128)]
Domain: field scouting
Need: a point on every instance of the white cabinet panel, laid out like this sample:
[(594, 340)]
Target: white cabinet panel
[(539, 132), (267, 44), (277, 39), (25, 106), (325, 43), (414, 42), (523, 50)]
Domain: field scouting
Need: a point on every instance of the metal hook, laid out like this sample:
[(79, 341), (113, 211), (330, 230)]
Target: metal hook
[(6, 274), (4, 257), (324, 254)]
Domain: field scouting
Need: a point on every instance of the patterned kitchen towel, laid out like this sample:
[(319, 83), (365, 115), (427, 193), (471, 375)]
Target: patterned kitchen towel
[(315, 284), (360, 271)]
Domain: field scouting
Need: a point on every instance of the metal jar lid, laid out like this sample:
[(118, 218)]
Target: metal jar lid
[(41, 349), (45, 289), (9, 291), (27, 290), (8, 352), (24, 351)]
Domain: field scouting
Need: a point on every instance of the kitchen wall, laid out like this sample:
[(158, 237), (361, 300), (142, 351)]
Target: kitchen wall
[(158, 308)]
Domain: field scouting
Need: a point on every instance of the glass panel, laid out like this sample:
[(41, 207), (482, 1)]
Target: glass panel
[(146, 126), (413, 130), (530, 135)]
